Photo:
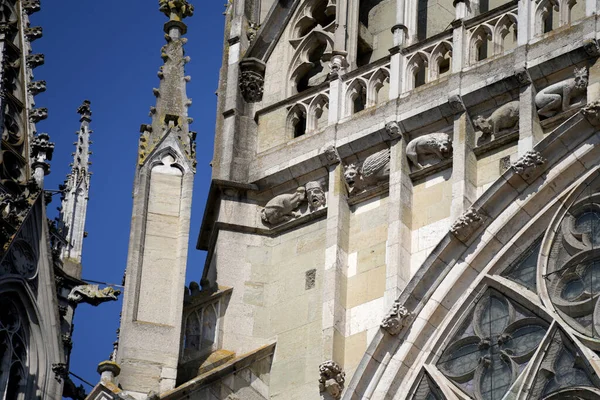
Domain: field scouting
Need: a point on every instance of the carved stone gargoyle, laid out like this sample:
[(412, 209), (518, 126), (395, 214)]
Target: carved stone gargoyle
[(558, 97), (397, 319), (92, 294), (331, 380), (283, 208)]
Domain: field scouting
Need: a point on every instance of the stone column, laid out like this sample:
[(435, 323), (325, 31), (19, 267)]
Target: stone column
[(458, 43), (41, 151), (530, 131), (338, 67), (525, 8), (398, 247), (464, 163), (351, 28), (336, 262), (400, 32)]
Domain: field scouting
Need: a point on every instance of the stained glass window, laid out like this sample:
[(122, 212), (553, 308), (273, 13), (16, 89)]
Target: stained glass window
[(523, 270), (13, 352)]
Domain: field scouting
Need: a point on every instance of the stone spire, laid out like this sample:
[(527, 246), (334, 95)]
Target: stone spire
[(150, 332), (170, 115), (75, 195)]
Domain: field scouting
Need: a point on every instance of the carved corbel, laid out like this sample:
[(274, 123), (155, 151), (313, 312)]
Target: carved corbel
[(456, 103), (393, 130), (33, 33), (467, 224), (38, 114), (331, 155), (591, 47), (31, 6), (338, 65), (397, 319), (35, 60), (332, 379), (522, 76), (36, 87), (252, 79), (591, 112), (92, 294), (60, 371), (528, 163)]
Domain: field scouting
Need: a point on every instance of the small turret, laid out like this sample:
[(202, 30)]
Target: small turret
[(75, 196)]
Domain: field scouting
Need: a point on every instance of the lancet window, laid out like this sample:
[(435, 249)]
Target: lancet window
[(201, 327), (552, 14), (493, 37), (13, 352), (311, 40), (428, 64)]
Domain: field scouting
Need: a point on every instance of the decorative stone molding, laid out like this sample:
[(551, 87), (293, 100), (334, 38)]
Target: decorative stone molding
[(549, 104), (36, 87), (591, 47), (338, 65), (35, 60), (315, 195), (375, 169), (176, 10), (92, 294), (505, 117), (331, 155), (397, 319), (33, 33), (525, 165), (38, 114), (522, 76), (467, 224), (456, 103), (252, 79), (332, 379), (283, 208), (393, 130), (437, 144), (591, 112)]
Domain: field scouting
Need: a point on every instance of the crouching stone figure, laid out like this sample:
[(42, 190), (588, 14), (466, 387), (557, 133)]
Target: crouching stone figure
[(438, 144), (505, 117), (283, 208), (557, 98)]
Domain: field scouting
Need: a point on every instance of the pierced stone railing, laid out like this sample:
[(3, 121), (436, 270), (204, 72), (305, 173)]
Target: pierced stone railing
[(427, 60), (364, 89)]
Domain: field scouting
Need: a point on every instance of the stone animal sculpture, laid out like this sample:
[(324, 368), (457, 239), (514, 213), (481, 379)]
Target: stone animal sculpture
[(505, 117), (374, 169), (92, 294), (438, 144), (283, 208), (557, 97)]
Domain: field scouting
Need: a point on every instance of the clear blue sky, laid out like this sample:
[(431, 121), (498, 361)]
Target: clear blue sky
[(108, 51)]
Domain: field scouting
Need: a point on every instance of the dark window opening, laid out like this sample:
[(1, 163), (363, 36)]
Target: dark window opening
[(315, 75), (444, 66), (419, 76), (360, 100), (548, 25), (300, 125)]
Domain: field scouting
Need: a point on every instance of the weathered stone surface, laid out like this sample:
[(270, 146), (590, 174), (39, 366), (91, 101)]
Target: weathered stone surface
[(283, 208), (558, 97), (397, 319), (437, 144), (92, 294), (332, 379)]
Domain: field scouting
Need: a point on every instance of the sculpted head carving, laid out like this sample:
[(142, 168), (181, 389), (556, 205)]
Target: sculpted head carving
[(483, 125), (581, 78), (351, 174), (315, 195), (283, 208)]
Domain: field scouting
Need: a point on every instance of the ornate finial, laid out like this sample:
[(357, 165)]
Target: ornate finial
[(176, 10), (85, 110)]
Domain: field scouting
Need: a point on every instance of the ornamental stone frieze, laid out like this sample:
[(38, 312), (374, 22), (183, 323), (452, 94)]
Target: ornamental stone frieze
[(92, 294), (526, 165), (464, 227), (331, 380), (397, 319), (252, 79)]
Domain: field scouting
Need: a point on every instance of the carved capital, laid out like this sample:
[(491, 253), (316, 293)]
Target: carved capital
[(522, 76), (36, 87), (33, 33), (591, 47), (467, 224), (38, 114), (528, 163), (591, 112), (332, 379), (397, 319), (331, 155), (252, 79), (35, 60), (393, 130), (456, 103), (42, 149)]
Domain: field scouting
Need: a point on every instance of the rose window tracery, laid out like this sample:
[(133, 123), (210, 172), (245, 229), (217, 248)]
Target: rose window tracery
[(489, 352)]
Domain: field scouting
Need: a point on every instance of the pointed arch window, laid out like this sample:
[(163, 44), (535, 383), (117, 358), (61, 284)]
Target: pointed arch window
[(13, 352)]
